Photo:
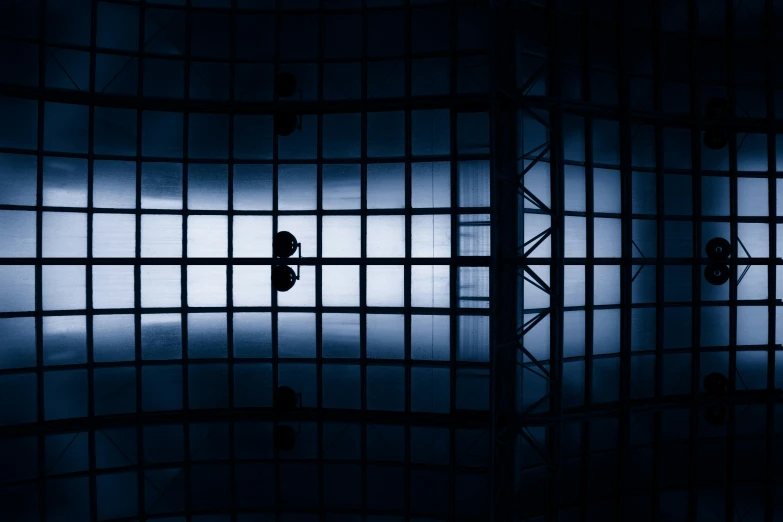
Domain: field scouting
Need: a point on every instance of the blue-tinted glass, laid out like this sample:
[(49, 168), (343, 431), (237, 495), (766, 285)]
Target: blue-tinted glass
[(342, 236), (473, 183), (385, 285), (296, 188), (342, 81), (385, 336), (430, 76), (18, 284), (18, 175), (431, 185), (472, 389), (473, 338), (65, 340), (17, 233), (114, 184), (163, 79), (115, 390), (252, 187), (341, 135), (163, 443), (19, 393), (431, 236), (301, 377), (302, 143), (385, 388), (430, 286), (252, 236), (161, 186), (18, 334), (118, 26), (340, 335), (65, 394), (340, 285), (252, 335), (207, 236), (161, 236), (115, 74), (208, 136), (68, 22), (341, 187), (64, 234), (112, 286), (115, 131), (114, 338), (296, 335), (252, 385), (161, 134), (74, 504), (430, 337), (385, 79), (253, 137), (430, 390), (20, 118), (341, 386), (65, 127), (207, 187), (117, 495), (114, 235), (64, 287), (208, 385), (206, 286), (430, 132), (116, 447), (207, 336), (161, 336), (161, 388), (252, 285), (65, 182)]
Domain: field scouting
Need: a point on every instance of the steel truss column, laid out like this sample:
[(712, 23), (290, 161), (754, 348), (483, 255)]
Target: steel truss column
[(503, 274)]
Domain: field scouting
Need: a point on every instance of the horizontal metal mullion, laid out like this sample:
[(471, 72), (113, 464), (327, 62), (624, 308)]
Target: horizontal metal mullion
[(222, 261)]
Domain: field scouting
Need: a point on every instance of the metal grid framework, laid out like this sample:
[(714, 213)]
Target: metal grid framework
[(606, 417), (96, 435)]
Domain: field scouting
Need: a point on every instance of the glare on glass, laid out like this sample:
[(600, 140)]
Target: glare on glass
[(342, 236), (160, 286), (207, 236), (64, 287), (161, 186), (112, 286), (386, 185), (305, 229), (161, 236), (252, 187), (296, 187), (113, 235), (341, 187), (65, 340), (18, 284), (386, 236), (65, 182), (252, 285), (114, 184), (340, 285), (206, 285), (385, 285), (252, 236)]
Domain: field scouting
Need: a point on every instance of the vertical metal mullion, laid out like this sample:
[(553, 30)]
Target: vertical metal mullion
[(453, 270), (89, 270), (407, 267), (319, 267), (731, 419), (274, 311), (39, 369), (229, 264), (140, 483), (769, 488), (363, 265), (184, 267)]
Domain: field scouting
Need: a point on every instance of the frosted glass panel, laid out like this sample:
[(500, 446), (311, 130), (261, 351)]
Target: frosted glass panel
[(65, 182), (114, 235), (342, 236), (207, 286), (430, 337), (607, 285), (160, 286), (207, 336), (576, 237), (474, 235), (18, 334), (385, 285), (606, 191), (607, 237), (161, 236), (386, 185), (252, 285), (431, 236), (207, 236), (112, 286), (752, 197), (473, 183), (473, 336), (207, 186), (64, 234), (18, 175), (161, 185), (253, 236), (473, 287), (64, 340), (296, 335), (253, 187), (341, 187), (114, 338), (430, 286), (114, 184), (340, 335), (296, 187), (431, 184), (385, 336), (340, 285), (430, 132), (64, 287), (161, 336), (17, 233), (253, 335), (385, 236), (18, 284)]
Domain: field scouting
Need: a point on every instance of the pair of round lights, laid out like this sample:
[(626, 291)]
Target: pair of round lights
[(284, 245), (718, 251)]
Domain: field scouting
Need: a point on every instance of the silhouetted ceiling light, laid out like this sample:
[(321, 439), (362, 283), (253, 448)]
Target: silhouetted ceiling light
[(285, 399), (715, 138), (284, 244), (718, 248), (285, 85), (283, 278), (284, 437), (717, 274), (717, 109), (286, 123)]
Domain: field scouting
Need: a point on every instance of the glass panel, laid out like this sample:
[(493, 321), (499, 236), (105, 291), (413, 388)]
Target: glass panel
[(430, 132), (296, 335), (304, 228), (342, 236), (207, 187), (207, 236), (18, 175), (114, 338), (303, 292), (340, 335), (296, 187), (430, 286), (385, 285), (252, 335), (161, 236), (430, 340), (430, 390), (18, 284), (112, 286), (65, 182), (385, 336), (64, 234), (474, 235), (114, 235), (65, 394), (160, 286), (207, 286), (64, 287), (473, 336), (385, 236), (252, 285), (207, 336), (386, 185), (473, 183), (161, 186), (161, 336), (341, 187), (473, 286), (114, 184), (252, 236), (431, 184), (17, 234), (252, 187), (18, 350), (340, 285), (431, 236), (64, 340)]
